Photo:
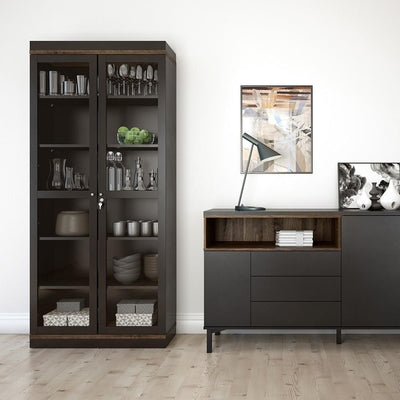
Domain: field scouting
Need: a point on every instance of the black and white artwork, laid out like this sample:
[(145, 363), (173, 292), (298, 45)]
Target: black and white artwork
[(354, 177)]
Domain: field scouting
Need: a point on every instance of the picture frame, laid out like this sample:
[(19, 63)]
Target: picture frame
[(353, 177), (281, 117)]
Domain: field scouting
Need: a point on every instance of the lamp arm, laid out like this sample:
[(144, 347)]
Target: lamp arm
[(245, 174)]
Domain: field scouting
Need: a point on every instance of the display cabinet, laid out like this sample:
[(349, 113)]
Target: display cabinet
[(75, 126)]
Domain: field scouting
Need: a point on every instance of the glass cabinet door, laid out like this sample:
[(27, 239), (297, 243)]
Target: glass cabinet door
[(63, 185), (131, 186)]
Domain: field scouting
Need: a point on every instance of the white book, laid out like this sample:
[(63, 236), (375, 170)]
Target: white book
[(293, 245), (294, 232)]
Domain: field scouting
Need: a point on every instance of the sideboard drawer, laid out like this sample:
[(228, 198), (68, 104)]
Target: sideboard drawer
[(295, 288), (295, 263), (299, 314)]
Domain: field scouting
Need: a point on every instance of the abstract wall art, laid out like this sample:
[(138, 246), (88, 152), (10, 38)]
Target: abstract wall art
[(281, 118)]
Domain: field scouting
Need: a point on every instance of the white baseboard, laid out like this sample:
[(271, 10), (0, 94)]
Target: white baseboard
[(14, 323), (190, 323), (186, 323)]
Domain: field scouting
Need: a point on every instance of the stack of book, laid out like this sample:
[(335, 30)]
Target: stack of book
[(294, 238)]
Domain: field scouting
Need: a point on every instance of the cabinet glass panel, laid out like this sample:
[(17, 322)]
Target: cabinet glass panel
[(130, 180)]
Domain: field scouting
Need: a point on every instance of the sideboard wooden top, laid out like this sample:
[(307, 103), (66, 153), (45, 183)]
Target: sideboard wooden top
[(309, 212)]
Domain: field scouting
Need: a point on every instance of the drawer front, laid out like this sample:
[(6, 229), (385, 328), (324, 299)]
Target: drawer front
[(298, 314), (295, 263), (295, 288)]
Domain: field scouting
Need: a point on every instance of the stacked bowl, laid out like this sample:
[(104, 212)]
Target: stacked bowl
[(127, 269), (150, 268)]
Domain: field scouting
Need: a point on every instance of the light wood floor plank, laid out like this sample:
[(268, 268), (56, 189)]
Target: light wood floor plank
[(255, 367)]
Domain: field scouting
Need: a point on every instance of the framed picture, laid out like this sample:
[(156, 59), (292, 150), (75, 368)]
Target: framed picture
[(281, 118), (357, 176)]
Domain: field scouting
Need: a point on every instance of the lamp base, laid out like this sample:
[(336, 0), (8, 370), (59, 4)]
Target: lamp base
[(248, 208)]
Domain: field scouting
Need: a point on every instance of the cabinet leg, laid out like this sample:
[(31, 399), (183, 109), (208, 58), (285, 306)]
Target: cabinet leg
[(209, 341), (338, 336)]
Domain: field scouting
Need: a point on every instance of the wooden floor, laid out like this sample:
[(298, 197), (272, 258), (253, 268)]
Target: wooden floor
[(255, 367)]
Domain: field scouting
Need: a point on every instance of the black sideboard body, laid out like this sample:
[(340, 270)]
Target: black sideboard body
[(348, 279)]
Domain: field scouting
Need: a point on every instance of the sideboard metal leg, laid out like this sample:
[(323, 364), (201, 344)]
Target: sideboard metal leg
[(338, 336), (209, 341)]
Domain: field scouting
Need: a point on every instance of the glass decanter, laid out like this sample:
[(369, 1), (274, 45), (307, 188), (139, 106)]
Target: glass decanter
[(137, 169), (140, 186), (69, 178), (152, 184), (57, 173), (128, 179)]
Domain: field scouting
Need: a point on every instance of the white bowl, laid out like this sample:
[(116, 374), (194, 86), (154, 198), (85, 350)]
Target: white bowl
[(134, 264), (126, 270), (126, 279), (130, 258)]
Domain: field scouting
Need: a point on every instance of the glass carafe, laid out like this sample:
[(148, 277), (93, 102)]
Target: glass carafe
[(69, 178), (128, 179), (140, 185), (152, 184), (138, 167), (57, 173)]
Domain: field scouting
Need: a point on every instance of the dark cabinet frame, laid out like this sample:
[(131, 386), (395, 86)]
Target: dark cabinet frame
[(96, 55)]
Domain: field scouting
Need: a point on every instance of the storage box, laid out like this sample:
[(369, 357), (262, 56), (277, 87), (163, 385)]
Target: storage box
[(70, 305), (146, 306), (127, 306), (137, 306), (79, 318), (136, 319), (55, 318)]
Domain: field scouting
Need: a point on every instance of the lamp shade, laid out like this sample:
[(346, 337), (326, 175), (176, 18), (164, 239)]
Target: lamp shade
[(265, 152)]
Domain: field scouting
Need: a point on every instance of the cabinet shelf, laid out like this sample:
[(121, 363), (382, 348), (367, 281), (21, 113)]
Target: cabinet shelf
[(140, 100), (64, 146), (133, 146), (63, 97), (151, 194), (63, 194), (59, 238), (141, 284), (138, 238)]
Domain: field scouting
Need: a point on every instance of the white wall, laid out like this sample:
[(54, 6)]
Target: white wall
[(349, 51)]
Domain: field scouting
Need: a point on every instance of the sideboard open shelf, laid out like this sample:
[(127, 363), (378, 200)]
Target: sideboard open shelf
[(258, 232)]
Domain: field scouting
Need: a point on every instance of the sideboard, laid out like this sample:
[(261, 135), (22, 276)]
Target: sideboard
[(349, 278)]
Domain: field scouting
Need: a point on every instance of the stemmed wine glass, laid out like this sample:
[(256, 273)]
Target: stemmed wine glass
[(132, 76), (156, 80), (145, 82), (123, 73), (149, 73), (110, 73), (139, 76)]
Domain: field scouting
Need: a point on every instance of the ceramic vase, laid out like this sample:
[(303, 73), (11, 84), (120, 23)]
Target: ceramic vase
[(375, 195), (390, 200), (363, 200)]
